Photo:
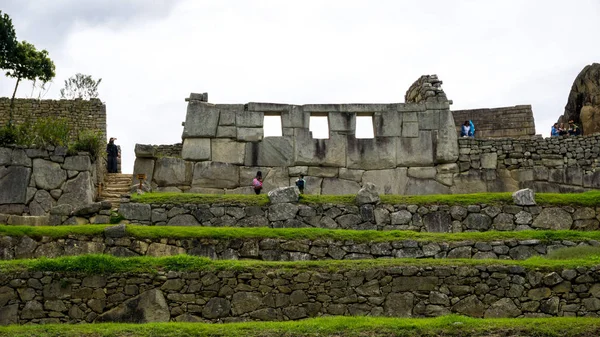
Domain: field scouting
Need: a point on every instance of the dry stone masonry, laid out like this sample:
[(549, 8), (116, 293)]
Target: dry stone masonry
[(556, 164), (80, 114), (292, 294), (506, 122), (117, 242), (415, 150), (223, 147), (34, 181), (431, 218)]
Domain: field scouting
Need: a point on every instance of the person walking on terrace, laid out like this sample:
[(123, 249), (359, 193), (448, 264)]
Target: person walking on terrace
[(112, 152), (257, 182)]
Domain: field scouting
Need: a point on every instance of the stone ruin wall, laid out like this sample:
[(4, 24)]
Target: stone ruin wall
[(80, 114), (416, 150), (223, 147), (489, 291), (33, 181), (506, 122)]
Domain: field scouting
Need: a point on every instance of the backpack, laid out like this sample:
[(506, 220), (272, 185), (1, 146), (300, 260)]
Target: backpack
[(257, 184), (300, 183)]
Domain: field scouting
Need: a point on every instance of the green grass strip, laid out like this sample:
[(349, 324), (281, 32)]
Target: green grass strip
[(590, 199), (226, 233), (99, 264), (329, 326)]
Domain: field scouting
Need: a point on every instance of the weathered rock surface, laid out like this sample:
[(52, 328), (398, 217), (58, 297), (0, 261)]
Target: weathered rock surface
[(524, 197), (149, 306), (284, 195), (583, 103), (367, 195)]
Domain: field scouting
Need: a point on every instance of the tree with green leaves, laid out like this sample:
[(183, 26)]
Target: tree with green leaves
[(8, 39), (29, 64), (21, 60), (80, 86)]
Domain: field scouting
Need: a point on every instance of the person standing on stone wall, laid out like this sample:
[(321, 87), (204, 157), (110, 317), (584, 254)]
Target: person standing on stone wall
[(112, 153), (257, 182)]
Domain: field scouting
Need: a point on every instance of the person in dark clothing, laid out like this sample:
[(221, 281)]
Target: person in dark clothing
[(113, 153)]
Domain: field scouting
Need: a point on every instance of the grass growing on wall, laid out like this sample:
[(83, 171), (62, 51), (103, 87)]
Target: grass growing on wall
[(329, 326), (590, 199), (179, 232), (101, 264)]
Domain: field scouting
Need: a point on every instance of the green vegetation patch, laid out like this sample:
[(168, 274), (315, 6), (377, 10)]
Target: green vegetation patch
[(590, 199), (194, 198), (226, 233), (99, 264), (579, 252), (330, 326)]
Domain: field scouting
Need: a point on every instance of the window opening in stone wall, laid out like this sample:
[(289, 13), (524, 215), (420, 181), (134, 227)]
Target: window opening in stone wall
[(319, 126), (364, 127), (272, 126)]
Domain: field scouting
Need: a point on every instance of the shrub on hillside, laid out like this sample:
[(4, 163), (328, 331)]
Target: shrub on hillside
[(44, 132), (89, 141)]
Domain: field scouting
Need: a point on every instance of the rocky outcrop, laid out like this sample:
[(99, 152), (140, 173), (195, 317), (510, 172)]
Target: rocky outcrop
[(583, 104)]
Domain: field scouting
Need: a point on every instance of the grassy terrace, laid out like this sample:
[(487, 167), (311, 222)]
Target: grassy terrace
[(330, 326), (178, 232), (98, 264), (591, 198)]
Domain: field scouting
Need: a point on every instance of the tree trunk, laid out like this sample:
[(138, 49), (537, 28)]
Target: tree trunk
[(12, 103)]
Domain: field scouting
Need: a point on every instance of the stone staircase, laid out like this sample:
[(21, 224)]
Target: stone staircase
[(115, 184)]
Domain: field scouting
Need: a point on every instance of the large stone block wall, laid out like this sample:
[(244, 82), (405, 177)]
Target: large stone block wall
[(80, 114), (506, 122), (223, 147), (32, 181), (276, 295), (276, 249), (556, 164), (433, 218)]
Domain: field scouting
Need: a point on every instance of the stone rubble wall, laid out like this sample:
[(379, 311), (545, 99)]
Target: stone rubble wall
[(33, 181), (275, 249), (292, 294), (80, 114), (555, 164), (433, 218), (505, 122)]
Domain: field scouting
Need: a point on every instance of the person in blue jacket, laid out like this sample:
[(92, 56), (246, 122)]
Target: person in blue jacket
[(471, 129), (465, 129)]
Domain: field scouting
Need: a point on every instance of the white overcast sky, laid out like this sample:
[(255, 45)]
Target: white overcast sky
[(152, 54)]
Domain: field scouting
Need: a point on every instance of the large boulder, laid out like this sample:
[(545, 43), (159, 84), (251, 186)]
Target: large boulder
[(284, 194), (13, 184), (583, 104), (78, 191), (147, 307), (524, 197), (367, 195), (554, 218), (48, 175), (171, 171)]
